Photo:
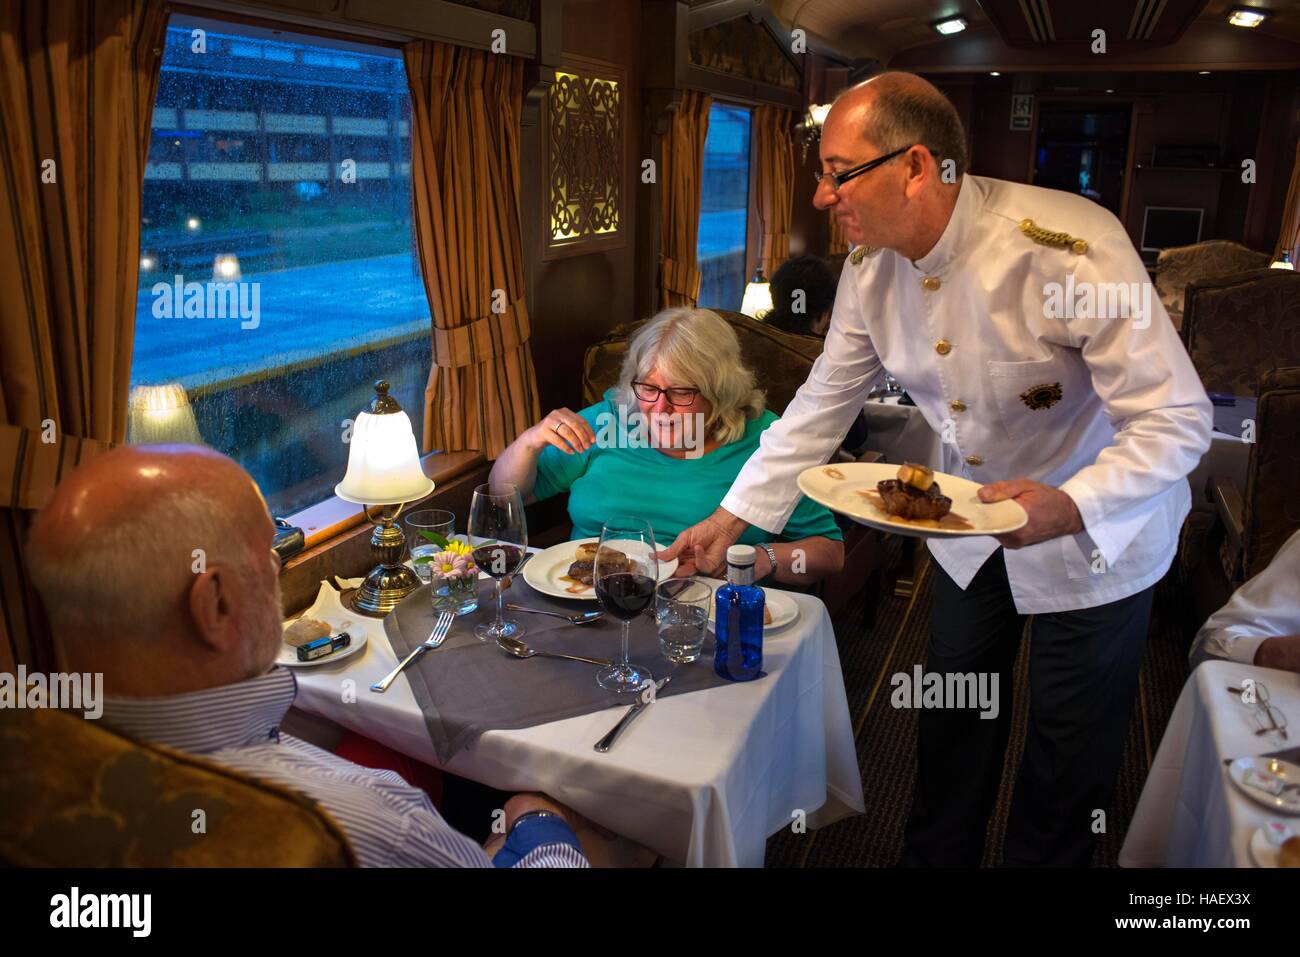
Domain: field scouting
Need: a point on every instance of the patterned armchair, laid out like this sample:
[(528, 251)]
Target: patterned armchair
[(75, 794), (1180, 265), (1253, 523)]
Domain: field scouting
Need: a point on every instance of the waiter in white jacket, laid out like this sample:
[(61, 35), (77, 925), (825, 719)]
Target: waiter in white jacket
[(996, 305)]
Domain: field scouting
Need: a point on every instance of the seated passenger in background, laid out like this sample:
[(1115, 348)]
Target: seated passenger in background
[(803, 294), (187, 647), (1260, 624), (666, 443)]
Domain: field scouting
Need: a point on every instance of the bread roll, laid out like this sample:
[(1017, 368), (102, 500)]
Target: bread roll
[(1288, 855), (304, 630)]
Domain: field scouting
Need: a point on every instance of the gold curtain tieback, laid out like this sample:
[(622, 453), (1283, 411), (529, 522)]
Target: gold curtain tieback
[(482, 338)]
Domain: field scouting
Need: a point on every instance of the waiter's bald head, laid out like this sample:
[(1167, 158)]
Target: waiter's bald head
[(157, 547), (894, 110)]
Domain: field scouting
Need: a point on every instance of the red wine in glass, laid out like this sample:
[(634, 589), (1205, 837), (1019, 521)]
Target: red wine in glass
[(625, 595), (498, 560), (498, 539)]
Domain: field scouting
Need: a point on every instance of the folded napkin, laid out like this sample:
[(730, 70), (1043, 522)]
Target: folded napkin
[(468, 686)]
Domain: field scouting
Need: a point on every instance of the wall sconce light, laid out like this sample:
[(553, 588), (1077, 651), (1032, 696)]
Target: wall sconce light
[(758, 296), (810, 130)]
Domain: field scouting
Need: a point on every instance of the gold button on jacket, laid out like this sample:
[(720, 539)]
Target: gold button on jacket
[(931, 283), (943, 347), (974, 460), (957, 405)]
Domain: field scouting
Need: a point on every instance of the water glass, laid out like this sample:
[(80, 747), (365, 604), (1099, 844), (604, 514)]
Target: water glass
[(423, 528), (682, 618)]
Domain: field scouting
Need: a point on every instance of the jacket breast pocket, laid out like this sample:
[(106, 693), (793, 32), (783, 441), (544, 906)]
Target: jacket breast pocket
[(1031, 396)]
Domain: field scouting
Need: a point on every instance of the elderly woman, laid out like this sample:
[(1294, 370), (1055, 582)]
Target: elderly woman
[(666, 443)]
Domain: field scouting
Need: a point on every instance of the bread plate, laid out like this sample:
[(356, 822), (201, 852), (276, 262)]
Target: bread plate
[(850, 489), (782, 607), (545, 571)]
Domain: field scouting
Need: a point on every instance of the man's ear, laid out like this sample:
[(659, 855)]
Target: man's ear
[(918, 171), (212, 609)]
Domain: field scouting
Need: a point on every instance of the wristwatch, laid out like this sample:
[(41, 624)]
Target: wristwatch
[(527, 814), (771, 556)]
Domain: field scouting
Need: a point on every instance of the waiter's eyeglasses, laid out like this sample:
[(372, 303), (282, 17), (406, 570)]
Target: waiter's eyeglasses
[(839, 179), (676, 396)]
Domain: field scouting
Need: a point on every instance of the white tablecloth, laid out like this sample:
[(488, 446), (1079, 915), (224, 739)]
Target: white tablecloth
[(703, 778), (901, 433), (1190, 813)]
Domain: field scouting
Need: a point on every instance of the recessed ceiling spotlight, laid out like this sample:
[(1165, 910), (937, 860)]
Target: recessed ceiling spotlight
[(950, 25), (1202, 72), (994, 73), (1110, 91), (1245, 17)]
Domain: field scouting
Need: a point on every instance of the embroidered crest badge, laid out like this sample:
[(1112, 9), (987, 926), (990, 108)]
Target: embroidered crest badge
[(1042, 396)]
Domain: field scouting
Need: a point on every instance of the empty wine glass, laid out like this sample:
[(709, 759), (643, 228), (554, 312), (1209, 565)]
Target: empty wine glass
[(624, 573), (498, 535)]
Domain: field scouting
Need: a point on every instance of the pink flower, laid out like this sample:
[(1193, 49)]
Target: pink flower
[(450, 565)]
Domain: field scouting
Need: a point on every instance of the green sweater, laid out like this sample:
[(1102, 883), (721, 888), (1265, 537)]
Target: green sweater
[(671, 494)]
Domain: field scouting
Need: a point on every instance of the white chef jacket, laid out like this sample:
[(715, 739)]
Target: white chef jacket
[(1267, 606), (966, 331)]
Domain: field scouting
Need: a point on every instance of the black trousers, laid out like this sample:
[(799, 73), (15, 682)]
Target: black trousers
[(1083, 671)]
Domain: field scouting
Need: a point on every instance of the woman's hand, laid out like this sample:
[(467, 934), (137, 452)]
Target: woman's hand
[(564, 429)]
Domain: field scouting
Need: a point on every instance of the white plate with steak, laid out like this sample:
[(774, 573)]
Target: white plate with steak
[(929, 505), (565, 570)]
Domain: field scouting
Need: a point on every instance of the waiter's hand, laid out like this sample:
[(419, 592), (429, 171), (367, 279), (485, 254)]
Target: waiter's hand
[(702, 549), (1052, 513)]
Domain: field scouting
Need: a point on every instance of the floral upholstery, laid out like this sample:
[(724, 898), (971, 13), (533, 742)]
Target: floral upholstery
[(75, 794), (1271, 510), (1237, 328), (1180, 265), (780, 360)]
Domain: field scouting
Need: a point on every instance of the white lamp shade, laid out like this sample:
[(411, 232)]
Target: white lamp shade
[(818, 113), (383, 462), (758, 300), (1282, 263), (160, 414)]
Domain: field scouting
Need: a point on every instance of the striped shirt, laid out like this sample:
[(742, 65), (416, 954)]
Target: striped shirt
[(389, 822)]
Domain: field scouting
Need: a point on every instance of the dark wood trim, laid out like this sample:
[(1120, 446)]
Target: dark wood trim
[(396, 21), (748, 92), (705, 15)]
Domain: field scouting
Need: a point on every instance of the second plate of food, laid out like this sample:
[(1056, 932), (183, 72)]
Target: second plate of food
[(852, 489), (548, 571)]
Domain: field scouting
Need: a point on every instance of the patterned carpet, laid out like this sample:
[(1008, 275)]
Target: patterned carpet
[(871, 652)]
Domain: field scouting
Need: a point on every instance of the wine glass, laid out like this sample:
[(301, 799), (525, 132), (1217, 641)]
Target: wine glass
[(624, 573), (498, 536)]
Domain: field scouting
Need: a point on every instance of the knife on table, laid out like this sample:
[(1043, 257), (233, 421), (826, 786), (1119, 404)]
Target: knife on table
[(607, 742)]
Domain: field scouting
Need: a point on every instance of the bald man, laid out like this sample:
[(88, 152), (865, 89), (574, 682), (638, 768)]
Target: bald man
[(1021, 321), (155, 567)]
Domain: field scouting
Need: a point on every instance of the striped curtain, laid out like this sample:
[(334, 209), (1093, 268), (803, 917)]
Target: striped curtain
[(773, 184), (77, 82), (682, 177), (466, 109)]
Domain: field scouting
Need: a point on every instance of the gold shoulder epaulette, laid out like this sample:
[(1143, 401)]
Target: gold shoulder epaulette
[(1049, 238), (861, 253)]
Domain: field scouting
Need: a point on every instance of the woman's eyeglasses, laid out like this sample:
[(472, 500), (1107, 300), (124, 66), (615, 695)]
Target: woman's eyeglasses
[(839, 179), (676, 396)]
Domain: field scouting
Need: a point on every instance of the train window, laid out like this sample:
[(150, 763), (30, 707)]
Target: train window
[(278, 273), (724, 208)]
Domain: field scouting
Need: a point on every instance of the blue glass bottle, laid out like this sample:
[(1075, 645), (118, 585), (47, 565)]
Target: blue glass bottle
[(738, 619)]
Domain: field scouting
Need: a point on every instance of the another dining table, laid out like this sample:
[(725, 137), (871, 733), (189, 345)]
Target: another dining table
[(702, 779), (1191, 813)]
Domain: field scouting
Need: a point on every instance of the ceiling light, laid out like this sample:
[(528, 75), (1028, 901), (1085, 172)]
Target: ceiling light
[(1243, 17), (994, 73), (1202, 72), (951, 25)]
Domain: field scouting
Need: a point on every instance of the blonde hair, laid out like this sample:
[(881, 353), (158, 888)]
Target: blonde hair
[(696, 347)]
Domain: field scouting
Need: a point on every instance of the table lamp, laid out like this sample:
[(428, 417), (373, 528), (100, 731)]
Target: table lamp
[(160, 414), (384, 470), (758, 296)]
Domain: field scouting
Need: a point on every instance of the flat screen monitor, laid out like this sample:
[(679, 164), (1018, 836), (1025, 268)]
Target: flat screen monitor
[(1166, 226)]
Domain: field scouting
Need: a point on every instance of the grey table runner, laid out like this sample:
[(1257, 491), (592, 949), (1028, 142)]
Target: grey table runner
[(468, 686)]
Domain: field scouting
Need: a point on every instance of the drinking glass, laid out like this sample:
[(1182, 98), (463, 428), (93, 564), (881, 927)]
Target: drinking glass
[(423, 528), (682, 617), (624, 574), (498, 535)]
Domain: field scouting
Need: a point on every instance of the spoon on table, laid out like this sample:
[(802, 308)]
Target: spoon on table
[(513, 646), (585, 618)]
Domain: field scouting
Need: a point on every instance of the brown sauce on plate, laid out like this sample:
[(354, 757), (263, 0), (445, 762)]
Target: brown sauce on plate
[(952, 522)]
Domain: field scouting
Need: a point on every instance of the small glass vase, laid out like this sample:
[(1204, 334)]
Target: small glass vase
[(458, 595)]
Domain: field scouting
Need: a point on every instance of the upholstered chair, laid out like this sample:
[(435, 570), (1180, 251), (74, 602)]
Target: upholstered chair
[(1215, 258)]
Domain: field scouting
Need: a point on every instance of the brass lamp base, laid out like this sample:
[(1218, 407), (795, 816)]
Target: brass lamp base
[(390, 581)]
